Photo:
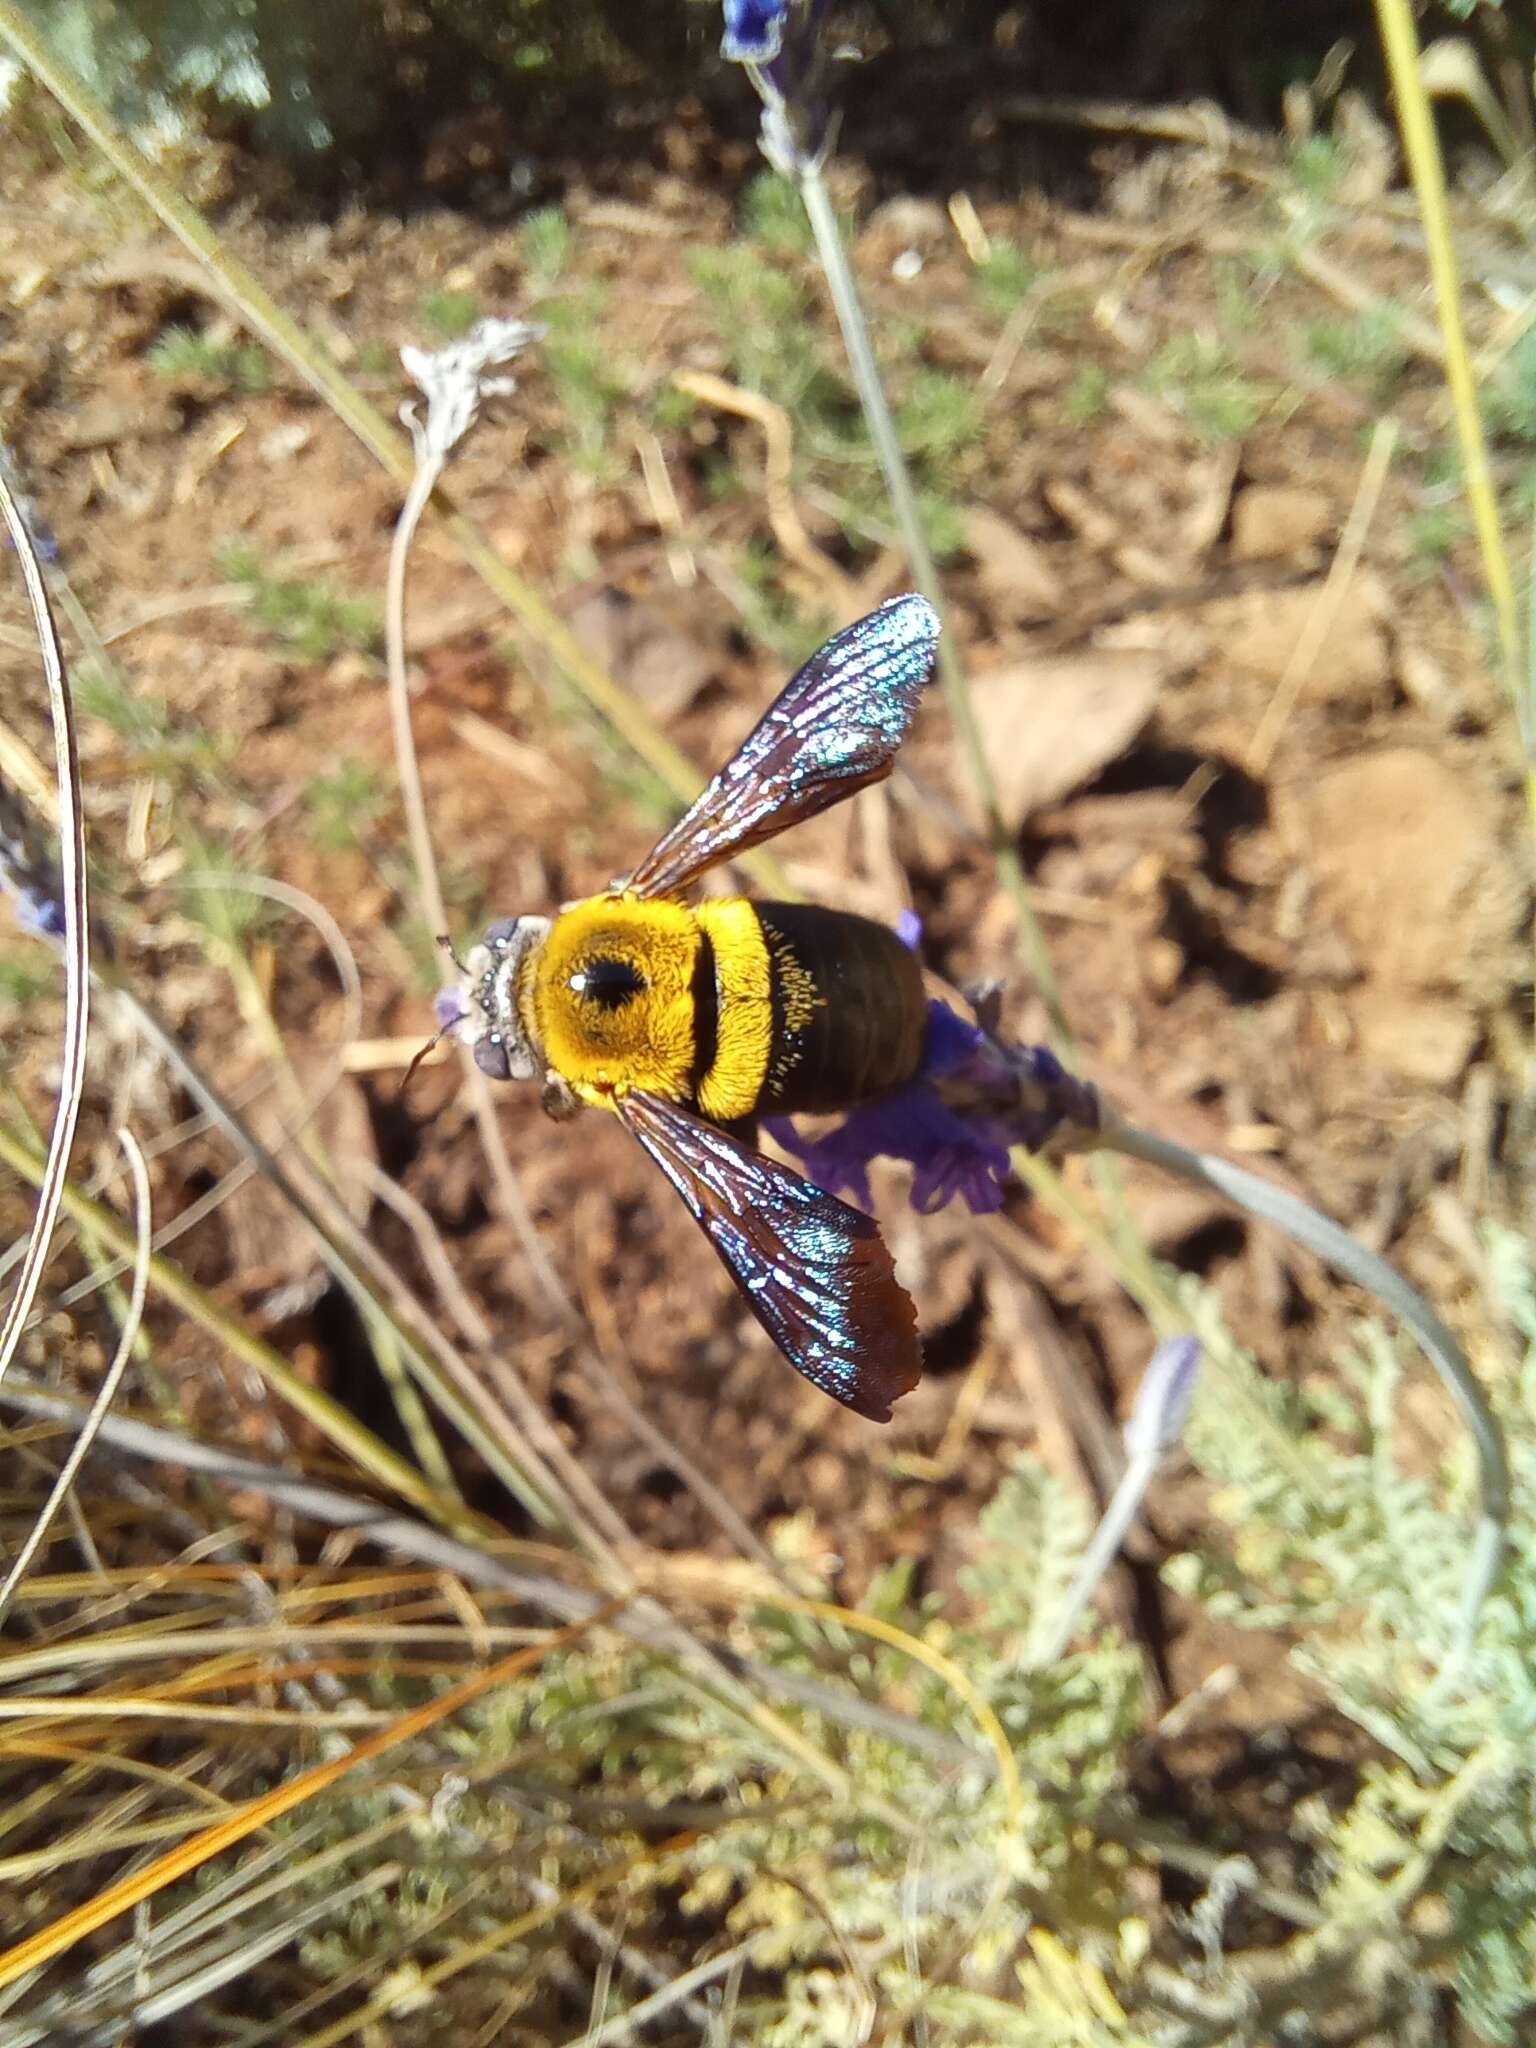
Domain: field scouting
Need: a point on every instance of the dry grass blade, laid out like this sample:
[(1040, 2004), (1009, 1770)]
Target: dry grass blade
[(335, 1421), (1421, 147), (111, 1379), (76, 932), (64, 1932), (1331, 599)]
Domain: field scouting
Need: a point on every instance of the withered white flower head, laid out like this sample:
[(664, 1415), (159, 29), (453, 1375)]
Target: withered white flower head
[(454, 380)]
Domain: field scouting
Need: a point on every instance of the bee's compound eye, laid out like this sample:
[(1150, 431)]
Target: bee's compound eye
[(492, 1057), (498, 936), (608, 982)]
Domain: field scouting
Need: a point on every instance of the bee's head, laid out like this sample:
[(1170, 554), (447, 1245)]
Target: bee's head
[(489, 1018)]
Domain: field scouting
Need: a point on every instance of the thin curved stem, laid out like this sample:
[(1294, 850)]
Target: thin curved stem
[(811, 182), (110, 1380), (1318, 1233), (77, 931)]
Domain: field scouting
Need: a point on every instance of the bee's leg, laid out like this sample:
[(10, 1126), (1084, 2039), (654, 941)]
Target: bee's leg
[(557, 1099)]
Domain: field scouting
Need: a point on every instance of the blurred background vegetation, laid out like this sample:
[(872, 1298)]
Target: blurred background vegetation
[(363, 83)]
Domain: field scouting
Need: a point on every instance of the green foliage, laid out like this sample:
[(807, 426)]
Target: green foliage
[(772, 213), (545, 236), (184, 354), (1087, 394), (450, 314), (939, 416), (763, 316), (1509, 399), (1367, 349), (1328, 1527), (589, 381), (1318, 162), (22, 982), (1201, 377), (164, 746), (211, 894), (310, 618), (344, 804), (943, 524), (1003, 277)]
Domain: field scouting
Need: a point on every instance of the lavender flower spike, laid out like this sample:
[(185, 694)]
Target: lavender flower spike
[(974, 1097), (27, 872), (779, 42), (1162, 1401), (1162, 1405), (754, 30)]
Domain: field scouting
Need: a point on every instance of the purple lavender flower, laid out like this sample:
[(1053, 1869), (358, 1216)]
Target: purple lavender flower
[(779, 42), (43, 539), (754, 30), (27, 873), (973, 1098)]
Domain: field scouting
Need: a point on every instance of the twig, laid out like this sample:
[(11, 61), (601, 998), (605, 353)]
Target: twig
[(76, 935), (433, 443), (1330, 599), (809, 176), (665, 1998), (111, 1379)]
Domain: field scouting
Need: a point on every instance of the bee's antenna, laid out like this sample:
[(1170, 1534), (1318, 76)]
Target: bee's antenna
[(446, 943), (430, 1047)]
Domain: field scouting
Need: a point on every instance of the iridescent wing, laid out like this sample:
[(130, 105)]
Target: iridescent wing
[(814, 1272), (834, 727)]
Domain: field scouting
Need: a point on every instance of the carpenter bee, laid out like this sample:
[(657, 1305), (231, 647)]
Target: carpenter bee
[(688, 1021)]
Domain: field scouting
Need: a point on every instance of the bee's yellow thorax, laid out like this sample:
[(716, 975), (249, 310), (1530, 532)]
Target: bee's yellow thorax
[(603, 1047), (650, 994)]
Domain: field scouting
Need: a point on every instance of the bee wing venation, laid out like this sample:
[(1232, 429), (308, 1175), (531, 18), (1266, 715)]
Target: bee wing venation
[(835, 727), (814, 1271)]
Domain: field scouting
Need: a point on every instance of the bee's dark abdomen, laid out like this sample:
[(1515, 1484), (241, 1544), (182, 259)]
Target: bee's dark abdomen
[(849, 1008)]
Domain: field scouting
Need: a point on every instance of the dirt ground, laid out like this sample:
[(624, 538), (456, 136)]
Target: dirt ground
[(1271, 818)]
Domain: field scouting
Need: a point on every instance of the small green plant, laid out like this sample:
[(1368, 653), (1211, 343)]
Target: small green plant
[(312, 619), (546, 236), (1368, 349), (1509, 401), (763, 316), (589, 383), (1087, 394), (211, 896), (22, 984), (1201, 377), (1317, 164), (773, 214), (944, 524), (345, 803), (450, 314), (163, 745), (1003, 277), (188, 354), (1435, 529), (1238, 298), (940, 417)]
